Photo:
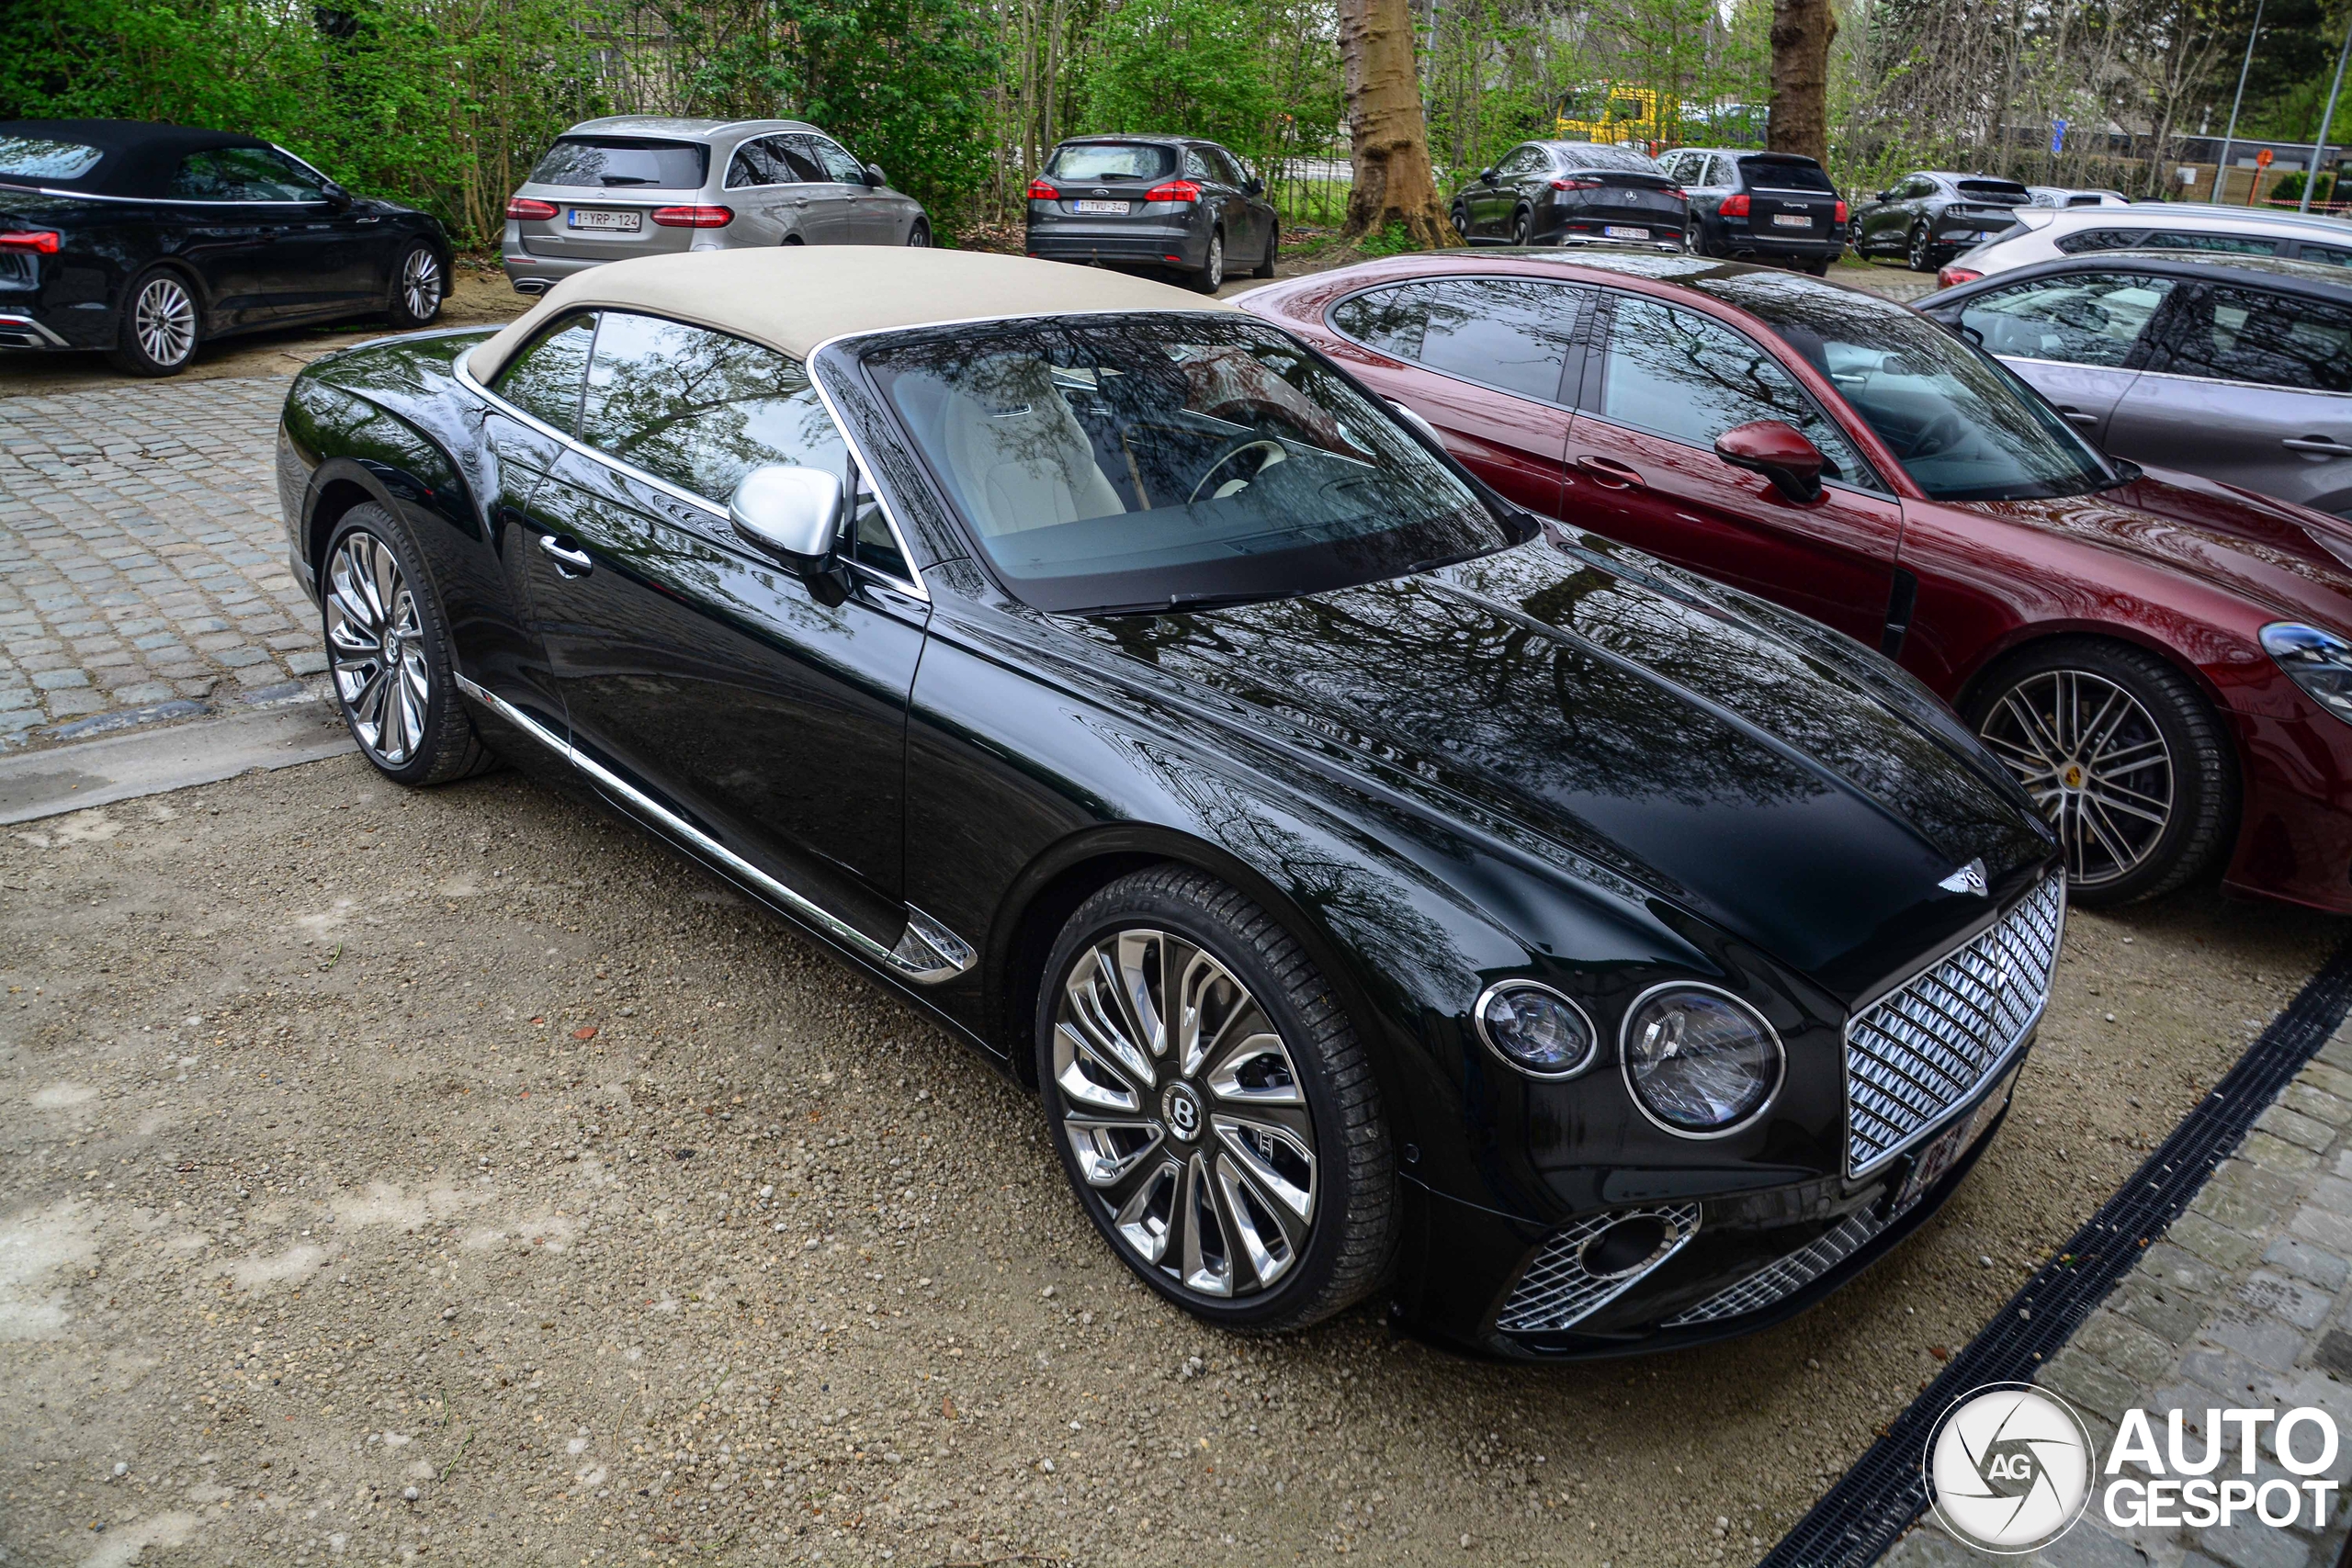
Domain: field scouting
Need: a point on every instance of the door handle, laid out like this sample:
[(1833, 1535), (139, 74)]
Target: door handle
[(570, 559), (2318, 444), (799, 201), (1610, 473), (2077, 416)]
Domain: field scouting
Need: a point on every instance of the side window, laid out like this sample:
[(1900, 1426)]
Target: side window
[(871, 543), (2326, 256), (1721, 174), (755, 163), (244, 173), (1195, 166), (2244, 334), (840, 167), (700, 409), (1227, 166), (1678, 168), (1502, 332), (2100, 239), (2084, 318), (1677, 374), (796, 160), (544, 379), (2230, 245)]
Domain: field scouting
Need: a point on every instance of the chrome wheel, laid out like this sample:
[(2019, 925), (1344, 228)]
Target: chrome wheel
[(421, 284), (1186, 1115), (376, 648), (1213, 270), (164, 320), (2093, 758)]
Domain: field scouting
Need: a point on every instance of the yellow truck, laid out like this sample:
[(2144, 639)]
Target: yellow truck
[(1613, 112)]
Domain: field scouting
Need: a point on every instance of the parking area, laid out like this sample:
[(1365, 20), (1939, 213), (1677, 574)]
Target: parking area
[(455, 1175)]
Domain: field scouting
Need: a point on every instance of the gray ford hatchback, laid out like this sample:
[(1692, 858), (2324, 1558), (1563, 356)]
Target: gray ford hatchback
[(636, 185), (1165, 202)]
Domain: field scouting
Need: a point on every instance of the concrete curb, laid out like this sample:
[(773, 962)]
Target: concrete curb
[(60, 779)]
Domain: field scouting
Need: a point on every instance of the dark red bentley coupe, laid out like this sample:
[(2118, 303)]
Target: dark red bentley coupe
[(2165, 661)]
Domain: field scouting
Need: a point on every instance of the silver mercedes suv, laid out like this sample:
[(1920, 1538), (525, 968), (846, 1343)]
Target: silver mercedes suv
[(636, 185)]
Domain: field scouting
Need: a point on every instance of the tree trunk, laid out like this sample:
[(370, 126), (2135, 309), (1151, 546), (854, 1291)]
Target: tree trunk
[(1802, 30), (1389, 137)]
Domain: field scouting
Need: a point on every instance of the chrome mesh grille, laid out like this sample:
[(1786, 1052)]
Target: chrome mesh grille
[(1925, 1046), (1557, 1289), (1791, 1273)]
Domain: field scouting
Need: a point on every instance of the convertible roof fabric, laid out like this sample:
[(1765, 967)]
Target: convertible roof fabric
[(793, 298), (139, 157)]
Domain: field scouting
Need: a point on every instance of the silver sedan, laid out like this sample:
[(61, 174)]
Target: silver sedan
[(635, 186)]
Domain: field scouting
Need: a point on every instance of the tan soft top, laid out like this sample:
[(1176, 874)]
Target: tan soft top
[(794, 297)]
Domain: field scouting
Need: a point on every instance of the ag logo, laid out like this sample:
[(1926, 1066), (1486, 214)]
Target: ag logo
[(2009, 1468)]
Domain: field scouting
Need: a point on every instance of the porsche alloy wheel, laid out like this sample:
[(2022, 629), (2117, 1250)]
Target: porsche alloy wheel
[(2123, 755), (1212, 1106), (388, 656)]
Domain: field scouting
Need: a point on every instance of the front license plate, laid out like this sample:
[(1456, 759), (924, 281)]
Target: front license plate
[(595, 221), (1118, 206), (1790, 220), (1624, 232), (1943, 1151)]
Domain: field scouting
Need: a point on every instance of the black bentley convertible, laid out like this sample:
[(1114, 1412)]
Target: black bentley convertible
[(147, 241), (1383, 890)]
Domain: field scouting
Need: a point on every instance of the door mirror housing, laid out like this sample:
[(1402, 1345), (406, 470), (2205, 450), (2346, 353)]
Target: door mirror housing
[(1485, 177), (795, 514), (875, 177), (1254, 186), (1885, 195), (1777, 450), (340, 199)]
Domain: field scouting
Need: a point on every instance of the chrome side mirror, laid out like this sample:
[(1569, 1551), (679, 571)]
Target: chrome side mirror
[(795, 514)]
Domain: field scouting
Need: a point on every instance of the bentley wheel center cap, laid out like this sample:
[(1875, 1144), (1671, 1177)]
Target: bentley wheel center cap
[(1181, 1109)]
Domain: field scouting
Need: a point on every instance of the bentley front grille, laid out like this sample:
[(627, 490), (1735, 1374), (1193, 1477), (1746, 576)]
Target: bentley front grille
[(1583, 1268), (1931, 1042)]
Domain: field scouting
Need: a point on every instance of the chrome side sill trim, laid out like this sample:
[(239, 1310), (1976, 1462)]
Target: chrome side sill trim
[(15, 323), (927, 953)]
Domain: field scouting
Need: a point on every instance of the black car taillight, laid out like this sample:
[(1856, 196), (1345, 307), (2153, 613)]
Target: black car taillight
[(1576, 184), (1040, 191), (44, 240), (1733, 206)]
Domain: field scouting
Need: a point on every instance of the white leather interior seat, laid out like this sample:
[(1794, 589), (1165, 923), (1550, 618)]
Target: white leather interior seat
[(1020, 456)]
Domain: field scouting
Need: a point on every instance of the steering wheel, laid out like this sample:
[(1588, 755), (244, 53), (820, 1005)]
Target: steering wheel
[(1273, 454), (1940, 433)]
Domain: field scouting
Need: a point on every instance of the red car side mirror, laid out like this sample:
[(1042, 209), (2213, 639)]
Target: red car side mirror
[(1778, 451)]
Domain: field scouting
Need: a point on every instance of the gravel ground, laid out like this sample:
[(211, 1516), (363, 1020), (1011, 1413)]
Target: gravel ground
[(457, 1174)]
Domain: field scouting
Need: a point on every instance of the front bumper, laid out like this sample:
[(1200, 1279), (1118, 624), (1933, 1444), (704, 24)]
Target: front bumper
[(1753, 1258)]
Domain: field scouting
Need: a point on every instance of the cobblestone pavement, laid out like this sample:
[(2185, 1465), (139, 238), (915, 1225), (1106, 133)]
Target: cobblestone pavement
[(142, 568), (2245, 1304)]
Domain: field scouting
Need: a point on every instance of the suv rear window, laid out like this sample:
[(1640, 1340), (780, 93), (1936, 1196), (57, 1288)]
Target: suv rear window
[(1606, 155), (2008, 192), (1773, 174), (1112, 161), (623, 162)]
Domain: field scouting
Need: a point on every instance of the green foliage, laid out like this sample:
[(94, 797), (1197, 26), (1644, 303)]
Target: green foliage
[(2288, 191), (1198, 67), (1392, 241)]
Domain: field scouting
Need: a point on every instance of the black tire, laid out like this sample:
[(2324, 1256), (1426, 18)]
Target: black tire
[(160, 325), (417, 741), (1210, 275), (1818, 268), (919, 236), (1920, 256), (1460, 219), (1694, 238), (1352, 1218), (2068, 686), (420, 284), (1518, 225), (1273, 246)]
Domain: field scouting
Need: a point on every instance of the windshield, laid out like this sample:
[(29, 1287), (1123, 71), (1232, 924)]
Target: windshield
[(1150, 462), (1112, 161), (618, 162), (1964, 428)]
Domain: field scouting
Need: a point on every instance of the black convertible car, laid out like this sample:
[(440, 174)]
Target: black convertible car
[(1383, 888), (147, 241)]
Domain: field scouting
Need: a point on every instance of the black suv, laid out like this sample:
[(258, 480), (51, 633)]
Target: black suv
[(1156, 201), (1571, 193), (1931, 217), (1760, 206)]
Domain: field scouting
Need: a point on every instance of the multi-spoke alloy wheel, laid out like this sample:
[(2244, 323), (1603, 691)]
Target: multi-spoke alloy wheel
[(1184, 1110), (157, 333), (421, 285), (2123, 756), (1217, 1115), (386, 653), (375, 646)]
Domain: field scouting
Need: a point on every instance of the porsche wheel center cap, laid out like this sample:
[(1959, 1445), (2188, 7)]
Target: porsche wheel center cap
[(2072, 775), (1181, 1109)]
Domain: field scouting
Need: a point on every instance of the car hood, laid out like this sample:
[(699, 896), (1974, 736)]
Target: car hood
[(2288, 558), (1794, 792)]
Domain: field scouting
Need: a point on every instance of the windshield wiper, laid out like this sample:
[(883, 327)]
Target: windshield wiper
[(1182, 603), (627, 180)]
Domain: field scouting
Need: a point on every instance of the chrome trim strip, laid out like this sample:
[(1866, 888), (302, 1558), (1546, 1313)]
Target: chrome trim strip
[(1626, 1061), (10, 324), (1556, 1291), (164, 200), (927, 953), (465, 377), (1583, 1064)]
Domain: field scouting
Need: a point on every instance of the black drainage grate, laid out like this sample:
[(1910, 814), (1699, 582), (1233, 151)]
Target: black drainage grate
[(1877, 1500)]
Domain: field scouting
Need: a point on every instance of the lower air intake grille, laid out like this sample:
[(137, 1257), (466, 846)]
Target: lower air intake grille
[(1558, 1290), (1791, 1274), (1925, 1046)]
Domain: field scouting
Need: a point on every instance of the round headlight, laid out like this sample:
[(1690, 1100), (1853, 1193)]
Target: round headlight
[(1701, 1063), (1536, 1030)]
